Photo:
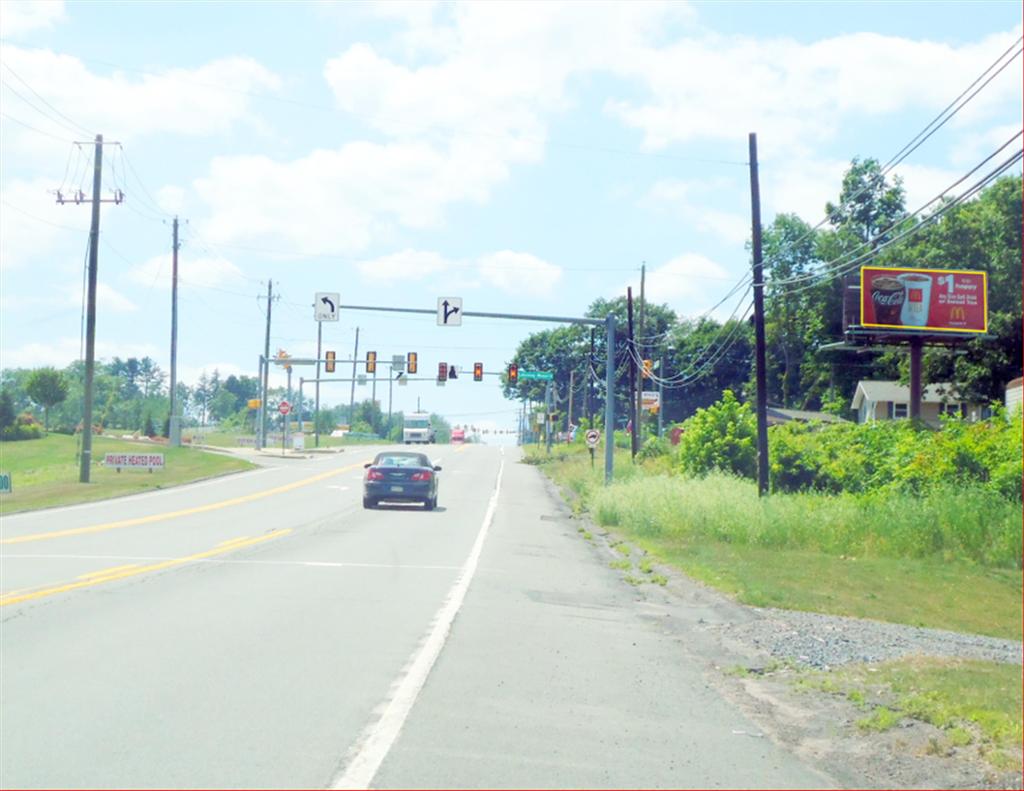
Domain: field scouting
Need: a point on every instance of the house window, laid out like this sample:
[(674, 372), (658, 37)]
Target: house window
[(900, 411), (953, 410)]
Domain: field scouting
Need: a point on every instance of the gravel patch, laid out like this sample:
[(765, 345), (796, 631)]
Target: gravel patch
[(824, 641)]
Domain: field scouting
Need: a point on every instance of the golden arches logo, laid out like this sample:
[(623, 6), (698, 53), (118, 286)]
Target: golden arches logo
[(957, 314)]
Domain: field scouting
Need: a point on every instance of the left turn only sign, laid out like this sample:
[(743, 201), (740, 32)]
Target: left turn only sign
[(325, 305)]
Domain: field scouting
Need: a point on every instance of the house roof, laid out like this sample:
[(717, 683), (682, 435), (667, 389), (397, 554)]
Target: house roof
[(894, 391), (802, 415)]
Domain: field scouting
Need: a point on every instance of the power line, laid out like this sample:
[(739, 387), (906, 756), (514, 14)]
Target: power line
[(33, 129)]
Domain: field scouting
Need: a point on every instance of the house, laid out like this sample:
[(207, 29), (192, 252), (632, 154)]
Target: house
[(778, 415), (891, 401), (1014, 395)]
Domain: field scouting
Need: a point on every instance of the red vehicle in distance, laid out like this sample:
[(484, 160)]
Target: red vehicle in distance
[(458, 435)]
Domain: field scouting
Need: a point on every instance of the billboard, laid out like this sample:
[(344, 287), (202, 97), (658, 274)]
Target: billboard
[(939, 300)]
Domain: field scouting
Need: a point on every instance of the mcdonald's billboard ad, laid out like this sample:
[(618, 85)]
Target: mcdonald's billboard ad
[(940, 300)]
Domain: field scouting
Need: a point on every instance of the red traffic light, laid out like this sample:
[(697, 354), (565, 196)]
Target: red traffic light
[(442, 372), (513, 374), (478, 372)]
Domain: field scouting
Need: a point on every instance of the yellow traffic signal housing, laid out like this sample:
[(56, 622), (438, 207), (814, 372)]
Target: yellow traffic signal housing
[(513, 374), (371, 362), (329, 366), (410, 363), (478, 372), (648, 368)]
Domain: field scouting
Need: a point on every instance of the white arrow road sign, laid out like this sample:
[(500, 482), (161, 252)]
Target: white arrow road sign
[(325, 305), (449, 311)]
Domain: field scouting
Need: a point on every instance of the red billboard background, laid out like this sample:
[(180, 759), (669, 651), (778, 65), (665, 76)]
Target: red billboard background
[(941, 300)]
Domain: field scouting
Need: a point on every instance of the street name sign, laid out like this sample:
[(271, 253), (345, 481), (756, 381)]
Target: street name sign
[(449, 311), (542, 376), (325, 305)]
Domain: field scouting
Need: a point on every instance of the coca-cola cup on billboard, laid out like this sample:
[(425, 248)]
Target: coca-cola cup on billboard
[(888, 296), (914, 312)]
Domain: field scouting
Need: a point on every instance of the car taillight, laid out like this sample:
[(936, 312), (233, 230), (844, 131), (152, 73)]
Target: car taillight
[(374, 475), (426, 475)]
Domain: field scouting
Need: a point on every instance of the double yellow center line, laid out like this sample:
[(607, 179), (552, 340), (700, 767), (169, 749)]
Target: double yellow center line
[(199, 509), (133, 570)]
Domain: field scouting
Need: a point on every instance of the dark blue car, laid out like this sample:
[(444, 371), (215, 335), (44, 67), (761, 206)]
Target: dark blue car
[(400, 477)]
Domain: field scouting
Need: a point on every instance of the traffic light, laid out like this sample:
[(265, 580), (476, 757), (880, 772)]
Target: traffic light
[(410, 363), (371, 362), (648, 368), (478, 372), (513, 374), (442, 372), (329, 367)]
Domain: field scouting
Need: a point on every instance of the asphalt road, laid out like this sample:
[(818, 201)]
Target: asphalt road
[(263, 630)]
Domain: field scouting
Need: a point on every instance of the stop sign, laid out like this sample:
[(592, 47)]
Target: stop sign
[(284, 407)]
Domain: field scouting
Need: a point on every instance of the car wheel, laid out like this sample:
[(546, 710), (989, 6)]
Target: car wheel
[(431, 504), (369, 502)]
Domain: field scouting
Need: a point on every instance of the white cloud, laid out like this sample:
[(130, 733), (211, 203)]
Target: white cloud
[(690, 283), (798, 95), (64, 351), (171, 199), (688, 200), (205, 272), (125, 106), (520, 273), (24, 16), (403, 266), (32, 224), (108, 299)]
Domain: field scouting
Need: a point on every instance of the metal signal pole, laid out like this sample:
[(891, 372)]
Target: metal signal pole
[(266, 369), (173, 424), (760, 362)]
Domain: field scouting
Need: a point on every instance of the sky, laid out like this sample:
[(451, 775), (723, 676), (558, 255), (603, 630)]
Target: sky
[(527, 158)]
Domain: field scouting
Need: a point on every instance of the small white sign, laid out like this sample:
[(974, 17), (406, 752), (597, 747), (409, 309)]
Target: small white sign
[(449, 311), (325, 305), (593, 438), (650, 399), (134, 461), (403, 380), (360, 379), (298, 441)]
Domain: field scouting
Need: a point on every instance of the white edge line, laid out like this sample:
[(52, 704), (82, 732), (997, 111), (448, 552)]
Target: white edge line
[(376, 740)]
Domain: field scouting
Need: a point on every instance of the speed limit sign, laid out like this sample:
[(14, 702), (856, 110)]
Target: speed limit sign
[(593, 438)]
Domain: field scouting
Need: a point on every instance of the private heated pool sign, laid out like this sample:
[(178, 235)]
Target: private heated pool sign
[(134, 461)]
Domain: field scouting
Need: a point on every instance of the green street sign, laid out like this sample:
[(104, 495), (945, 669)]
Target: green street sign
[(542, 376)]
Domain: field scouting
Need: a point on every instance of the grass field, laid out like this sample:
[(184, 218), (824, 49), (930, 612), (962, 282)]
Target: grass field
[(45, 472), (950, 561)]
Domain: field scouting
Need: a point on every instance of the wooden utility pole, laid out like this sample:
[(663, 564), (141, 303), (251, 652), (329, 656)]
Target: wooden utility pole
[(631, 347), (590, 383), (759, 343), (173, 424), (638, 349), (568, 420), (90, 317), (266, 369)]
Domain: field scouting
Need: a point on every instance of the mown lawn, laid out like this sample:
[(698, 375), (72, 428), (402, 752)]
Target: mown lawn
[(45, 471)]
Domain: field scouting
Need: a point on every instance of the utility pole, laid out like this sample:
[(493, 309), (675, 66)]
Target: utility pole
[(266, 369), (547, 416), (352, 397), (90, 316), (173, 423), (760, 362), (661, 394), (631, 346), (638, 349)]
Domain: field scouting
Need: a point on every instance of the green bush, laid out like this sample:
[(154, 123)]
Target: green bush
[(721, 437), (897, 456)]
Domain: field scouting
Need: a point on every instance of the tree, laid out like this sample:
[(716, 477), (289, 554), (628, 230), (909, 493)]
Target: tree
[(47, 387), (7, 413)]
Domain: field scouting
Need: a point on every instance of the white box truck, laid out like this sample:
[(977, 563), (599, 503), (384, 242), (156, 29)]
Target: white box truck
[(416, 428)]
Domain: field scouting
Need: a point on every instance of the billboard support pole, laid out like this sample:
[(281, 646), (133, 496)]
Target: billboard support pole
[(916, 346)]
